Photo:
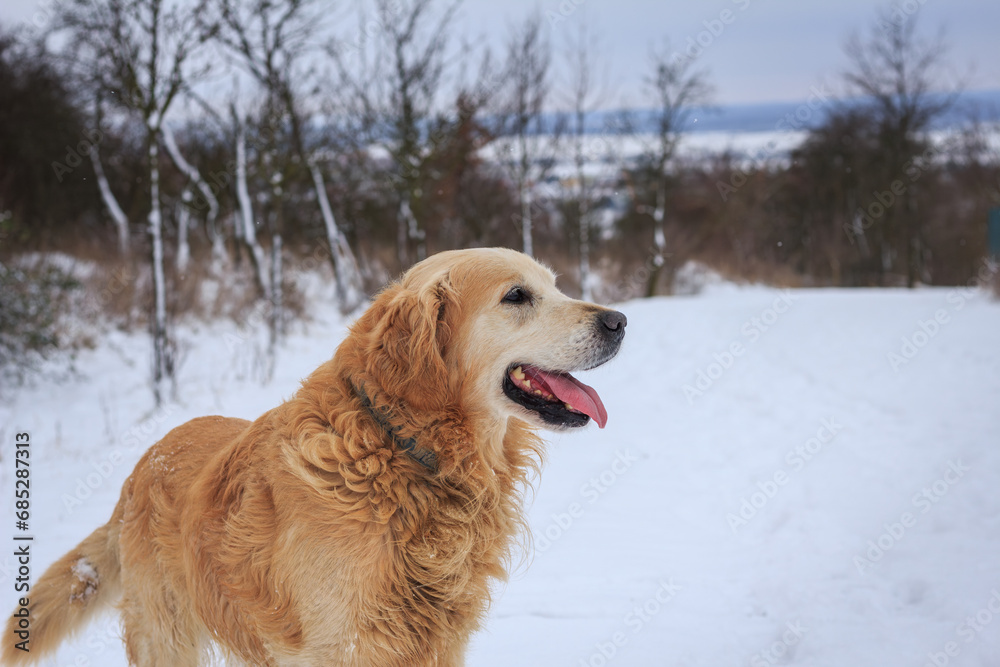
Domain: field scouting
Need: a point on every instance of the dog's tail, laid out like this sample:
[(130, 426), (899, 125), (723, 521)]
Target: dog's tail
[(65, 598)]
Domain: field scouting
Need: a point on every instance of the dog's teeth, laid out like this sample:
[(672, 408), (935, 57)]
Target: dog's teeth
[(538, 391), (527, 383), (518, 373), (568, 406)]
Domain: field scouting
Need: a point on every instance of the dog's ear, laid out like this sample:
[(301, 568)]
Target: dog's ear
[(408, 341)]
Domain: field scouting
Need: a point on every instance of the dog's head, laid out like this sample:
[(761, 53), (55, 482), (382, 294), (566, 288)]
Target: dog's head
[(487, 329)]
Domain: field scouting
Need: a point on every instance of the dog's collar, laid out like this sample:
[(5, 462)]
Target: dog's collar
[(424, 457)]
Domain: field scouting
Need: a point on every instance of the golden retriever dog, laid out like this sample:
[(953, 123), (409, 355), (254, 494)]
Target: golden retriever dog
[(362, 521)]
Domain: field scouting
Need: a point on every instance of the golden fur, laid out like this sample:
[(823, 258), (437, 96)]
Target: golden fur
[(307, 537)]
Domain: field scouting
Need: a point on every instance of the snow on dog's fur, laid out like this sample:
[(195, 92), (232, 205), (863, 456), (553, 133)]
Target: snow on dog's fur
[(310, 536)]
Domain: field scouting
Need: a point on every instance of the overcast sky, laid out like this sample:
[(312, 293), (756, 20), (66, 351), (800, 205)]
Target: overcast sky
[(768, 50)]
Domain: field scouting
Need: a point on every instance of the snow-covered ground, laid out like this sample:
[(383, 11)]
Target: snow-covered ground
[(606, 154), (797, 478)]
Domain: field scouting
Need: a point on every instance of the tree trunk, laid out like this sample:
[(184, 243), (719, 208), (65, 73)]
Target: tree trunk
[(218, 250), (402, 239), (162, 362), (858, 229), (347, 278), (586, 288), (195, 176), (277, 319), (108, 197), (247, 228), (586, 291), (524, 190), (526, 237), (413, 231), (276, 294), (914, 247), (659, 241), (409, 230), (183, 222), (912, 254)]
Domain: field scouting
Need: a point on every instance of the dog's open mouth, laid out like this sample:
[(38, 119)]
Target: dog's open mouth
[(558, 398)]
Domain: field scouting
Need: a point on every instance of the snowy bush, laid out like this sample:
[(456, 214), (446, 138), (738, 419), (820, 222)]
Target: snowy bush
[(32, 301)]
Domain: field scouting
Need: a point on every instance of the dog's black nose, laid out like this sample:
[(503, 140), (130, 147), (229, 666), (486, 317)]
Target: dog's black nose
[(614, 322)]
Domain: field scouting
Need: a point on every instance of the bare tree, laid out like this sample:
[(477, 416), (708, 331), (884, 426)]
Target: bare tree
[(898, 75), (107, 195), (834, 167), (346, 274), (110, 201), (416, 40), (246, 225), (520, 124), (676, 87), (585, 96), (140, 50), (455, 173), (270, 39), (184, 206), (266, 38)]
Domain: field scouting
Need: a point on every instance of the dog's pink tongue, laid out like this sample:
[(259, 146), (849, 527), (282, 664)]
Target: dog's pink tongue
[(570, 390)]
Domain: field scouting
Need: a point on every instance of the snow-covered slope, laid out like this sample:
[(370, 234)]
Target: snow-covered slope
[(800, 478)]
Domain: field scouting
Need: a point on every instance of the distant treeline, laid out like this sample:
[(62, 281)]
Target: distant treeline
[(867, 199)]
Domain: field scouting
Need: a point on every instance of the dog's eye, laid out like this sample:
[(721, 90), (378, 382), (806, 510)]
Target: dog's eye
[(517, 295)]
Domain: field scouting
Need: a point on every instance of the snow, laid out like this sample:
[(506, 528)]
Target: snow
[(604, 153), (87, 575), (84, 571), (827, 494)]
